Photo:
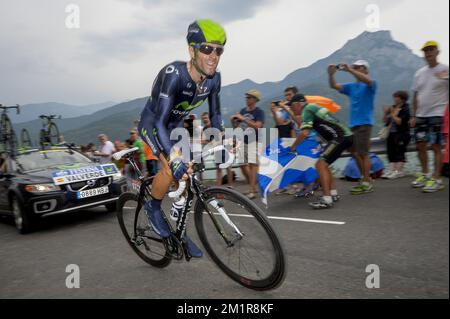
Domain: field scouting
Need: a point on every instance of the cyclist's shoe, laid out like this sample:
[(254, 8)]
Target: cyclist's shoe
[(362, 188), (432, 186), (420, 181), (157, 221), (192, 248), (321, 204)]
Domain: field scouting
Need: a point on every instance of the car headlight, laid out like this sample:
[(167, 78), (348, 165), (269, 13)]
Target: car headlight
[(42, 188), (117, 176)]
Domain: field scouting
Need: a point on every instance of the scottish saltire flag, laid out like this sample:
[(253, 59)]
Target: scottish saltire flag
[(280, 168)]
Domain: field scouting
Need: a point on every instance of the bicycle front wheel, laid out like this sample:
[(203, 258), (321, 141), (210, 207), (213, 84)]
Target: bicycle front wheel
[(240, 239), (139, 235), (53, 134)]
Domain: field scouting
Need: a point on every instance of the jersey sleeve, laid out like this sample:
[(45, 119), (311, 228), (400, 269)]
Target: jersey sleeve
[(164, 106), (214, 106), (307, 118)]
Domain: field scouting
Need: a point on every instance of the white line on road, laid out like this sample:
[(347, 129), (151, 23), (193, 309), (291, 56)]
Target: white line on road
[(297, 219), (316, 221)]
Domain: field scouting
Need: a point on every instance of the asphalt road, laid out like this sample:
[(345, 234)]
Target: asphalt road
[(401, 230)]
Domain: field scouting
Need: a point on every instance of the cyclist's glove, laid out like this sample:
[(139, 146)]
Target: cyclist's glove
[(178, 167)]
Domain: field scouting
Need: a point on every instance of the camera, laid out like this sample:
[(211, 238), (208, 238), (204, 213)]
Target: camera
[(339, 67), (277, 103)]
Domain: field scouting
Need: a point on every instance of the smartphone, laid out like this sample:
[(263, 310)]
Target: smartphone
[(277, 103)]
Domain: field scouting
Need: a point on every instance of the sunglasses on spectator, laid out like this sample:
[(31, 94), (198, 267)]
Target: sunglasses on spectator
[(208, 49)]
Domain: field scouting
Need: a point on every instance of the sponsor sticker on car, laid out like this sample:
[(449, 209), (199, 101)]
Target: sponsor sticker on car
[(68, 176)]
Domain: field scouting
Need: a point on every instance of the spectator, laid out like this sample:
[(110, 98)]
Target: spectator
[(292, 107), (338, 138), (135, 141), (282, 120), (207, 139), (251, 117), (397, 118), (289, 92), (119, 146), (362, 97), (106, 149), (430, 98)]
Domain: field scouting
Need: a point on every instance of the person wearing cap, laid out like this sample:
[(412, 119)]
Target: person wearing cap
[(179, 88), (362, 98), (430, 90), (337, 137), (251, 118)]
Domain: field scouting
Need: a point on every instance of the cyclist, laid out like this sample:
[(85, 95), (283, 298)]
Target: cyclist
[(338, 138), (179, 88)]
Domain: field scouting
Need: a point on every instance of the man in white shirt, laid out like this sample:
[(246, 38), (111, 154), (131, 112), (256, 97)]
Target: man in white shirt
[(430, 99), (106, 149)]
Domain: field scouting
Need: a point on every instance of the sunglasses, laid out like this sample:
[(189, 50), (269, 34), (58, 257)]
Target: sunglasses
[(208, 49)]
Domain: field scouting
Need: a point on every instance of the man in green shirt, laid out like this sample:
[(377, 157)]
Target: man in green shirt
[(337, 137), (137, 142)]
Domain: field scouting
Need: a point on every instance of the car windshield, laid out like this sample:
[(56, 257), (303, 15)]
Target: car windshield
[(49, 159)]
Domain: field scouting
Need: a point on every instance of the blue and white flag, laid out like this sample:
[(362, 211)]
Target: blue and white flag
[(280, 168)]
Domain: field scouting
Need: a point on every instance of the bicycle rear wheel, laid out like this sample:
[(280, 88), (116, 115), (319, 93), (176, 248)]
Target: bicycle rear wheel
[(256, 259), (139, 235), (53, 134)]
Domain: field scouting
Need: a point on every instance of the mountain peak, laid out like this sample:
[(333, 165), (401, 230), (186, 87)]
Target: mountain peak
[(383, 35)]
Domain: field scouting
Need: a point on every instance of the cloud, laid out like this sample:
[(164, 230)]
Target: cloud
[(162, 21)]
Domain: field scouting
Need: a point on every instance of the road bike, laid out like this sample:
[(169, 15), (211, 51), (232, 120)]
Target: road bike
[(8, 138), (49, 134), (233, 230)]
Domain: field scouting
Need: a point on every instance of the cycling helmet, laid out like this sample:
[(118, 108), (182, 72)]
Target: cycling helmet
[(206, 31)]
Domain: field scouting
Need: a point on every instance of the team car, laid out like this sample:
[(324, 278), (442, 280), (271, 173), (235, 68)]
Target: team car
[(40, 183)]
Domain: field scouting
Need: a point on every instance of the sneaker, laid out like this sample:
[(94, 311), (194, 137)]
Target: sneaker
[(157, 221), (192, 248), (432, 186), (396, 175), (251, 195), (362, 189), (282, 191), (336, 198), (420, 181), (321, 204), (386, 174)]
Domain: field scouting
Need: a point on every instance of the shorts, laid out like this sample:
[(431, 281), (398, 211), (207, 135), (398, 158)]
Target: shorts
[(335, 148), (429, 129), (361, 139)]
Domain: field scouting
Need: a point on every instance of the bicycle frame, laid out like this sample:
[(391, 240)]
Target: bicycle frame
[(194, 188)]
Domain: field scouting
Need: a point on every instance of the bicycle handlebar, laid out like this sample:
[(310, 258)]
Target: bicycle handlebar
[(182, 184), (5, 107), (50, 117)]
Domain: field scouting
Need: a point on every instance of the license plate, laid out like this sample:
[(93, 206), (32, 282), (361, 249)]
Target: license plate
[(92, 192)]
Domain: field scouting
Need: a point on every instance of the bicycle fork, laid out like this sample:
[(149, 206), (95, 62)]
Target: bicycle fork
[(219, 208)]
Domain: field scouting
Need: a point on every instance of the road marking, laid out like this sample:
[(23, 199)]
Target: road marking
[(316, 221), (296, 219)]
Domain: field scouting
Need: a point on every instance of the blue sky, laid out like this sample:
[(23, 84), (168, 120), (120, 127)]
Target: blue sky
[(121, 44)]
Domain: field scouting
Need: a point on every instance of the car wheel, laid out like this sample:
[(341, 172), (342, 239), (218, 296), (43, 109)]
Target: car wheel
[(111, 207), (24, 222)]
